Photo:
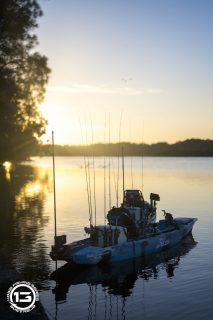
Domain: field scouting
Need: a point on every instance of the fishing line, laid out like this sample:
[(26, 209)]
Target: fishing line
[(86, 176), (88, 171), (119, 139), (142, 151), (114, 177), (131, 160)]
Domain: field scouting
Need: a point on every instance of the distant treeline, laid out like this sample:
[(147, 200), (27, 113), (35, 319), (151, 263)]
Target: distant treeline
[(187, 148)]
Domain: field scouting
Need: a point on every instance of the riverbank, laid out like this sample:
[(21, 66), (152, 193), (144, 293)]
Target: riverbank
[(187, 148)]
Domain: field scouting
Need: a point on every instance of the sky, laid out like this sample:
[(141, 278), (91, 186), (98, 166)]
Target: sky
[(128, 70)]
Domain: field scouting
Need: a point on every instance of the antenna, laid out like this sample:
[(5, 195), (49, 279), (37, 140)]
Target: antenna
[(55, 221), (105, 169), (54, 192)]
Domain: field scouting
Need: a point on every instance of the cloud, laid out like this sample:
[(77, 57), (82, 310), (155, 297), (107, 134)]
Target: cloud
[(154, 91), (93, 89)]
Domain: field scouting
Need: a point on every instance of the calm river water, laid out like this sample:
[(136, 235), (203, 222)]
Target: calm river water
[(177, 284)]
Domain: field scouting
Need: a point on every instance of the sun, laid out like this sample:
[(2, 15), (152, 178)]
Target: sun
[(63, 122)]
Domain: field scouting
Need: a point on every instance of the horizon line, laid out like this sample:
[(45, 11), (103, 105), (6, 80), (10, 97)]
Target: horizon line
[(127, 142)]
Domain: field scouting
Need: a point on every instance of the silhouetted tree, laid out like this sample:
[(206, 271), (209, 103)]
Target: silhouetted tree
[(23, 76)]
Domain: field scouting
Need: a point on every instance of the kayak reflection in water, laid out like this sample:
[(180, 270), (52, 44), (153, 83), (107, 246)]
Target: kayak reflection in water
[(119, 278)]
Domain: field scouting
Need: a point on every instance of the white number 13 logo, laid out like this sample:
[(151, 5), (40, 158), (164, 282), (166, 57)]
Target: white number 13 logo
[(27, 295)]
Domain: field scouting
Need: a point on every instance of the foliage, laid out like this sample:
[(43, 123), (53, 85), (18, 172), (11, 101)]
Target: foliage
[(187, 148), (23, 76)]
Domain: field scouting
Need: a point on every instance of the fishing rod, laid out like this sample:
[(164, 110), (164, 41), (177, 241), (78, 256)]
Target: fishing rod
[(131, 161), (94, 178), (119, 139), (114, 178), (87, 181), (131, 173), (123, 170), (88, 175)]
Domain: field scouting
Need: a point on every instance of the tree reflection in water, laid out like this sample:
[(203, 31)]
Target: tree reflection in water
[(22, 220)]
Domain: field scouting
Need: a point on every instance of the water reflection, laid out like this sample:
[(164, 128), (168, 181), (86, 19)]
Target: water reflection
[(131, 289), (119, 279), (22, 220)]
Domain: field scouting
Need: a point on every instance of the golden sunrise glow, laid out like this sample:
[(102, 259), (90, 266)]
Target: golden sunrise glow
[(75, 118), (7, 166), (64, 121), (33, 188)]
